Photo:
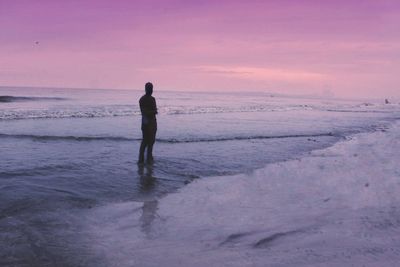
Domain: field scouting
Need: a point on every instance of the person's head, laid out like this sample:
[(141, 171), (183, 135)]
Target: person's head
[(149, 88)]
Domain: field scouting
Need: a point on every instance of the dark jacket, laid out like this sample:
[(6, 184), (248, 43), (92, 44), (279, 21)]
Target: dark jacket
[(148, 107)]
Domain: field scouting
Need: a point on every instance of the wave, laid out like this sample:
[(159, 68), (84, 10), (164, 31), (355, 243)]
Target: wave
[(358, 111), (108, 111), (8, 98), (161, 140), (91, 112), (66, 138), (37, 170), (130, 110), (242, 138)]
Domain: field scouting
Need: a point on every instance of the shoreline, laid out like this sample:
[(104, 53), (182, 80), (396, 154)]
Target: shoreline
[(308, 211)]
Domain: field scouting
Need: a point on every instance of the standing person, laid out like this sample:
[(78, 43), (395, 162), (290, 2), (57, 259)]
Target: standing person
[(148, 108)]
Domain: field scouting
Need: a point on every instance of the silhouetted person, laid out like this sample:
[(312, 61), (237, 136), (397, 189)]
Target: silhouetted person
[(148, 108)]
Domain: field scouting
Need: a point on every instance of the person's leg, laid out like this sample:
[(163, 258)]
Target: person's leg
[(141, 152), (151, 139), (150, 153), (142, 146)]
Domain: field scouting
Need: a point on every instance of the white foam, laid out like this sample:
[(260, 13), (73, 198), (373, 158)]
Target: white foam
[(338, 206)]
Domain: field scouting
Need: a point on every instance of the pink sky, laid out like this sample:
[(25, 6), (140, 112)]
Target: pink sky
[(348, 48)]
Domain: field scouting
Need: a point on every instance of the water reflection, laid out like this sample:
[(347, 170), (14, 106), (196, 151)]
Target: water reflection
[(149, 208), (147, 180)]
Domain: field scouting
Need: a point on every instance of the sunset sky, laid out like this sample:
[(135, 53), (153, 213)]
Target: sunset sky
[(347, 48)]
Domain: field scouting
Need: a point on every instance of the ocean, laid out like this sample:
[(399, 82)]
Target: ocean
[(65, 152)]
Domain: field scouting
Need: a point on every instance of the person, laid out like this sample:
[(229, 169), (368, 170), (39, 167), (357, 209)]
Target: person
[(148, 108)]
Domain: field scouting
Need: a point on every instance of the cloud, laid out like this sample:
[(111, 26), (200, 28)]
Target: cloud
[(291, 45), (264, 74)]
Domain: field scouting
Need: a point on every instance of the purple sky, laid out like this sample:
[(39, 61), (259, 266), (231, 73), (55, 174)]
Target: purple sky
[(346, 48)]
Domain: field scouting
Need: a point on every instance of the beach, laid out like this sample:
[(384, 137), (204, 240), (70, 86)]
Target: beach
[(239, 179), (199, 133), (334, 207)]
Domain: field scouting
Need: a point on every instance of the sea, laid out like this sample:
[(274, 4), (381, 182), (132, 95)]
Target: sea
[(64, 152)]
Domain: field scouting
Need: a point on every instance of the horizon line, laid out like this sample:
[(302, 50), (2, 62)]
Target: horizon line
[(273, 94)]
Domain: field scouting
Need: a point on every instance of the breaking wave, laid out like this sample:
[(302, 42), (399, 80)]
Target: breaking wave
[(161, 140), (9, 99), (131, 110), (88, 112)]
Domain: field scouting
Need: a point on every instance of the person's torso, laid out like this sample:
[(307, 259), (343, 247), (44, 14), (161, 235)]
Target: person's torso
[(148, 103)]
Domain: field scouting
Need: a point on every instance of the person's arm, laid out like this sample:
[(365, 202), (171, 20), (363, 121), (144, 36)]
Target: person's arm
[(155, 106)]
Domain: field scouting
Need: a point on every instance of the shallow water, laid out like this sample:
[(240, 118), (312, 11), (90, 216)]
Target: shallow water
[(65, 151)]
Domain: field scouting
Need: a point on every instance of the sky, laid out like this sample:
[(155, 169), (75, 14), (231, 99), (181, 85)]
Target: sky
[(344, 48)]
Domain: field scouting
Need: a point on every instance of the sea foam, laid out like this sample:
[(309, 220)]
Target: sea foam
[(336, 206)]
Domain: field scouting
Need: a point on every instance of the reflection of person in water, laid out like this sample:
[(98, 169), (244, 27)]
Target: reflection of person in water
[(148, 107), (149, 214), (150, 206), (146, 178)]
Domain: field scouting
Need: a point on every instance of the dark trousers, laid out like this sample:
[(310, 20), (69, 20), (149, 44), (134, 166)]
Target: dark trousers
[(149, 137)]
